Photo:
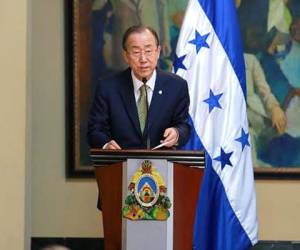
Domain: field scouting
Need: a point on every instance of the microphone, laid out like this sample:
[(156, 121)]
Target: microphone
[(144, 80)]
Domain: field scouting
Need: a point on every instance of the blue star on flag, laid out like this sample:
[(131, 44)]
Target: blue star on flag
[(224, 158), (178, 63), (243, 139), (199, 41), (213, 101)]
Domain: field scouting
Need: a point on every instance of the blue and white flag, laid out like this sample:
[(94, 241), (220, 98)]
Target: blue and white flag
[(209, 56)]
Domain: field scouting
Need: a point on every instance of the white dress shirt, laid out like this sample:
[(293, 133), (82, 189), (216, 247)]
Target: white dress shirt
[(137, 84)]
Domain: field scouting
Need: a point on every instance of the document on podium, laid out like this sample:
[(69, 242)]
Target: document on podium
[(160, 145)]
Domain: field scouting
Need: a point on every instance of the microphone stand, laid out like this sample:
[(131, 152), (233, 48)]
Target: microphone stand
[(144, 80)]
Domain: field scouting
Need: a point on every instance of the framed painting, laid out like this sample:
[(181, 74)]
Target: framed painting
[(271, 35)]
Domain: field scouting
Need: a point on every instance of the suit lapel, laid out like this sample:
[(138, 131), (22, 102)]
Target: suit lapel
[(157, 99), (127, 93)]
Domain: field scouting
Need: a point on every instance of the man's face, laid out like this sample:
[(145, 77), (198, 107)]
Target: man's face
[(142, 54)]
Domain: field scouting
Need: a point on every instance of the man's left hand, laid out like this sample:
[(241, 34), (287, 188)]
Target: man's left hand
[(171, 137)]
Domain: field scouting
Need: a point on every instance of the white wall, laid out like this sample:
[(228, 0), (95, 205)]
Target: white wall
[(13, 59), (278, 204)]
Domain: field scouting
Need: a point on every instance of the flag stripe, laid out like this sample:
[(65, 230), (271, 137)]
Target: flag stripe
[(194, 141), (226, 32)]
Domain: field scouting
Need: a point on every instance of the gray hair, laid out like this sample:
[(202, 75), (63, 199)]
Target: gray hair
[(138, 29)]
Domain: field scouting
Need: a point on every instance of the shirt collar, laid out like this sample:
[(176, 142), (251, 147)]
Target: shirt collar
[(137, 83)]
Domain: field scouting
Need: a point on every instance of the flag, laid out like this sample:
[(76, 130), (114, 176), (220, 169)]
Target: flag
[(209, 56)]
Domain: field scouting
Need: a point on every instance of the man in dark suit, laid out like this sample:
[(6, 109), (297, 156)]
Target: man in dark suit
[(117, 119)]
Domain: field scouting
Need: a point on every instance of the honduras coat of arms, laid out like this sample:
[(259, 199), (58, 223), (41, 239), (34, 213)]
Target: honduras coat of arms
[(147, 198)]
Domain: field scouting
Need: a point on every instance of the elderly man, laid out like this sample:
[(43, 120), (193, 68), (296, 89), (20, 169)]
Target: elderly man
[(142, 106)]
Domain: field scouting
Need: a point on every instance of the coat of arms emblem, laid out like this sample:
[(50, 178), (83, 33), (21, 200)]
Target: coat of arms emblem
[(147, 198)]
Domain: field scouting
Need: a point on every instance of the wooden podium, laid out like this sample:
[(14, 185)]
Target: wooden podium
[(185, 170)]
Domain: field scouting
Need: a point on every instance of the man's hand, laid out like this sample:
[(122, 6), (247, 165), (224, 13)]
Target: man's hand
[(171, 137), (278, 119), (111, 145)]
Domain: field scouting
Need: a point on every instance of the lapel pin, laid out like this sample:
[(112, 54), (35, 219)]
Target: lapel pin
[(160, 92)]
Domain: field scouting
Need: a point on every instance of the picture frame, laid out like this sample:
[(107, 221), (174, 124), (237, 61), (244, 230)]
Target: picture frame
[(82, 71), (77, 75)]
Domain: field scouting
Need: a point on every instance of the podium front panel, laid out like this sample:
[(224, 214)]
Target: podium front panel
[(148, 234)]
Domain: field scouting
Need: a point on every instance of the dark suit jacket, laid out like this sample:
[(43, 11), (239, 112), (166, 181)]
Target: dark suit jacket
[(114, 115)]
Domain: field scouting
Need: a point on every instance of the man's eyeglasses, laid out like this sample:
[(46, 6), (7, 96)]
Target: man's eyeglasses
[(138, 53)]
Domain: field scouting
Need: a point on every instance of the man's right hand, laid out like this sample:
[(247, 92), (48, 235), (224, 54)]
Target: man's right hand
[(111, 145)]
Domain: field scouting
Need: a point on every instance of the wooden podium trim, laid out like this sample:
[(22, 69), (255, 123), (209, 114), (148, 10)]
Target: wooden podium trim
[(106, 157)]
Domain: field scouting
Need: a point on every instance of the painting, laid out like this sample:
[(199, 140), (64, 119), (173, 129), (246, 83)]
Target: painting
[(271, 35), (270, 31)]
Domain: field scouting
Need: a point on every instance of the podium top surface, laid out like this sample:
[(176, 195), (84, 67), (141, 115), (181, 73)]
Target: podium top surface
[(102, 157)]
